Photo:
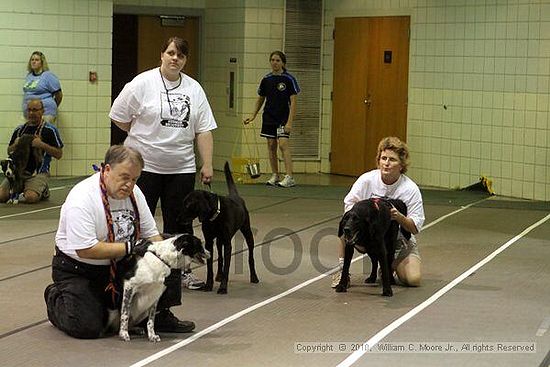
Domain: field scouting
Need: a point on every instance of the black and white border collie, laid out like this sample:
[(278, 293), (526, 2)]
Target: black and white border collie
[(143, 281)]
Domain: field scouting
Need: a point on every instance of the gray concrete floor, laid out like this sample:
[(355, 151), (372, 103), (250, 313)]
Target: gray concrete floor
[(465, 300)]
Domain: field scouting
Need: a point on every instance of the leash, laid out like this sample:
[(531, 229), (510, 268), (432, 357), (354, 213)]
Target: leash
[(215, 215), (111, 233), (158, 257)]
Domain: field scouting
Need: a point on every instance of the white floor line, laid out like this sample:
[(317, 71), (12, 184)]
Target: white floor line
[(29, 212), (37, 210), (400, 321), (60, 187), (239, 314)]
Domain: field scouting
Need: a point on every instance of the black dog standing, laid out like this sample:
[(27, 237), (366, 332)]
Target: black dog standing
[(368, 227), (221, 218)]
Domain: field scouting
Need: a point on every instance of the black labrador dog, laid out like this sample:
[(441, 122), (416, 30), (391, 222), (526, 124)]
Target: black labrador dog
[(221, 218), (368, 228)]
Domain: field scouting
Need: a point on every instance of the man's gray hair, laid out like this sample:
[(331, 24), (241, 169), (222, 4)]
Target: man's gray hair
[(120, 153)]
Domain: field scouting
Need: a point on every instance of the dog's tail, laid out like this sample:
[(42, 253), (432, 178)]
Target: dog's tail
[(231, 187)]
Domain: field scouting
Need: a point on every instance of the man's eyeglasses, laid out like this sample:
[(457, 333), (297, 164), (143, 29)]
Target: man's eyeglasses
[(34, 109)]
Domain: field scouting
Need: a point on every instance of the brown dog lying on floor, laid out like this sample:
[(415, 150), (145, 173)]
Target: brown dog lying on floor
[(221, 218), (368, 228)]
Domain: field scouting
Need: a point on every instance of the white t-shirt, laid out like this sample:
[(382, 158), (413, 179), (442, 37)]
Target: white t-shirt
[(164, 125), (370, 185), (83, 223)]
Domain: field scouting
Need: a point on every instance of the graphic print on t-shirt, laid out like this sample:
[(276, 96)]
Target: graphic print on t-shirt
[(123, 224), (175, 109), (31, 85)]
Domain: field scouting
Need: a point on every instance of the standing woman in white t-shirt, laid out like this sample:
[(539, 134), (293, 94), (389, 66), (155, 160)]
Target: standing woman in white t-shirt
[(165, 112), (390, 181)]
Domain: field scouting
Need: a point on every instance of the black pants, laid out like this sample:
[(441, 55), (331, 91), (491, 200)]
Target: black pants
[(171, 190), (77, 301)]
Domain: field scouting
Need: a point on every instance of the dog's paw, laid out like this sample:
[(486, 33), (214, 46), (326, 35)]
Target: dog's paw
[(154, 338), (222, 290), (254, 279), (341, 288), (387, 292), (124, 336), (207, 288)]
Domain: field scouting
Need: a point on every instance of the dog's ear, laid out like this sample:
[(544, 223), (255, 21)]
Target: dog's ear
[(343, 222), (207, 206), (399, 205)]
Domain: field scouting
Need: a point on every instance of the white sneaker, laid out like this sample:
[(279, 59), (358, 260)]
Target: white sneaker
[(190, 281), (288, 181), (274, 180), (336, 279)]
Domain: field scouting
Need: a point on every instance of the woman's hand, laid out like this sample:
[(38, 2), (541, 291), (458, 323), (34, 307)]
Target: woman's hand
[(207, 172)]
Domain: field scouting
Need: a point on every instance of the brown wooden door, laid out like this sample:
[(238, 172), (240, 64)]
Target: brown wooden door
[(152, 35), (370, 83)]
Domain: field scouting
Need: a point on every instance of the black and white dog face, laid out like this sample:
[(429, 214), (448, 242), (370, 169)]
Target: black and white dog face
[(191, 250), (144, 281), (8, 167)]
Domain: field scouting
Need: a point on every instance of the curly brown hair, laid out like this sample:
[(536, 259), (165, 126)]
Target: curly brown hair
[(395, 145)]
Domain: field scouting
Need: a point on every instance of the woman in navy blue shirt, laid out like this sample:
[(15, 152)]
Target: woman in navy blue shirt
[(278, 89)]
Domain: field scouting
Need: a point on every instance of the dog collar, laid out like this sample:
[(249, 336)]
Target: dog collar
[(158, 257), (216, 213)]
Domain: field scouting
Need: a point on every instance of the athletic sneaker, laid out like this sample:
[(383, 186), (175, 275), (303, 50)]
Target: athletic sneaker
[(274, 180), (288, 181), (336, 279), (190, 281)]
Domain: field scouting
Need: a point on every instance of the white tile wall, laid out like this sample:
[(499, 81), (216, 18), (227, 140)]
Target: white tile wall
[(75, 36), (489, 63), (248, 30)]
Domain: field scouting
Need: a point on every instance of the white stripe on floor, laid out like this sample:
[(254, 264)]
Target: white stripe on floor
[(29, 212), (244, 312), (400, 321), (37, 210)]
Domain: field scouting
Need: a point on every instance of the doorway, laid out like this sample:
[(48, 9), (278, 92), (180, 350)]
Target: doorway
[(137, 43), (370, 89)]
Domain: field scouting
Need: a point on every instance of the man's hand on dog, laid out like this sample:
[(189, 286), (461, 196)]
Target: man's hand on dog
[(138, 247)]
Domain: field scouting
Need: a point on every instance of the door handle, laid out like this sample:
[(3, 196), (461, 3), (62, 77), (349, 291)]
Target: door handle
[(368, 101)]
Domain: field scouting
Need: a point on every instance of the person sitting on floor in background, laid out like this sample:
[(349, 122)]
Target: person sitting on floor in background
[(47, 140)]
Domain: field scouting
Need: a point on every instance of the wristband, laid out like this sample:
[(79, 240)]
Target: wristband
[(128, 247)]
